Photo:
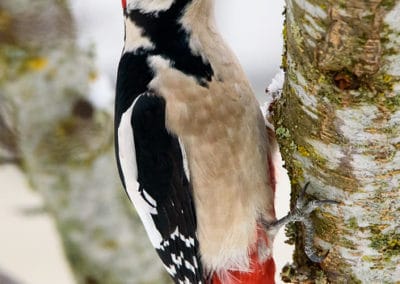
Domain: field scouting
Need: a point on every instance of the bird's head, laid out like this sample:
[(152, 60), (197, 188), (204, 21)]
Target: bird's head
[(149, 6)]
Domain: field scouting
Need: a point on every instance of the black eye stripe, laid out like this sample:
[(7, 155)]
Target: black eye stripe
[(171, 40)]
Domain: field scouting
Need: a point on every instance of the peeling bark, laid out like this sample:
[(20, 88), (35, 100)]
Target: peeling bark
[(338, 126)]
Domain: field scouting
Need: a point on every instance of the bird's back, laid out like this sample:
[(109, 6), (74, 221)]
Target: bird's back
[(224, 135), (214, 117)]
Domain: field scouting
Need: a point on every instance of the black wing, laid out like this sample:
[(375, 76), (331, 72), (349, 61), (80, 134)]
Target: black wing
[(158, 186)]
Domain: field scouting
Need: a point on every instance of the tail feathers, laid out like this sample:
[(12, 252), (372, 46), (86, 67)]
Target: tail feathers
[(262, 273), (262, 267)]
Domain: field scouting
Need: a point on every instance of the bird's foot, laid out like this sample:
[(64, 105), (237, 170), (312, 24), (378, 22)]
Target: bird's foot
[(301, 213)]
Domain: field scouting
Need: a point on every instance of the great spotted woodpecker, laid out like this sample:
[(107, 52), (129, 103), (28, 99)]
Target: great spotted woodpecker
[(192, 148)]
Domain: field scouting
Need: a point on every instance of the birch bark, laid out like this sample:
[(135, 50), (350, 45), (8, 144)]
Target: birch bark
[(338, 126)]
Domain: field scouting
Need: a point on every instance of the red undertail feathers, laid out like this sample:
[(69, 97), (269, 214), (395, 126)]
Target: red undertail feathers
[(261, 271)]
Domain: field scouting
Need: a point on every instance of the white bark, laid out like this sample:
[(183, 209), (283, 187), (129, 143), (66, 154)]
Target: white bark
[(338, 124)]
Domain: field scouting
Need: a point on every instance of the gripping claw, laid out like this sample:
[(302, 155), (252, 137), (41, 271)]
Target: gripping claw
[(301, 213)]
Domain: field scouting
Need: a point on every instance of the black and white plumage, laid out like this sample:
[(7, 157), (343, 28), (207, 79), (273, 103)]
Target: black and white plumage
[(181, 91), (151, 165), (150, 160)]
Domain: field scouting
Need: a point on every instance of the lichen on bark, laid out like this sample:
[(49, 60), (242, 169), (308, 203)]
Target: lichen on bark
[(338, 125)]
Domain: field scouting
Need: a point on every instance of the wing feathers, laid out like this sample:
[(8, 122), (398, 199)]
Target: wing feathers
[(151, 162)]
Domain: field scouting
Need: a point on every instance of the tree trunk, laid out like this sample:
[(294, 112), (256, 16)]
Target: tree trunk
[(65, 145), (338, 126)]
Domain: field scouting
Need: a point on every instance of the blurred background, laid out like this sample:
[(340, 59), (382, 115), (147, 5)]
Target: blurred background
[(64, 218)]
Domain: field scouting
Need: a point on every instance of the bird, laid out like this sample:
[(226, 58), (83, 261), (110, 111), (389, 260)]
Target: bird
[(193, 151)]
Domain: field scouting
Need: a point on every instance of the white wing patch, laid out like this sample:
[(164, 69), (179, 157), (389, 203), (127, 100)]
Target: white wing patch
[(127, 157), (188, 265), (178, 260), (178, 247), (171, 269), (185, 160), (189, 242)]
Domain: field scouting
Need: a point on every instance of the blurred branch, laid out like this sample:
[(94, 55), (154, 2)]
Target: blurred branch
[(9, 152), (64, 143), (5, 279)]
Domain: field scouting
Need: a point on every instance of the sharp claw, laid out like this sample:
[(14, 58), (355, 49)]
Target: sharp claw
[(327, 201), (302, 194), (309, 243), (314, 257), (301, 213), (309, 229), (314, 204)]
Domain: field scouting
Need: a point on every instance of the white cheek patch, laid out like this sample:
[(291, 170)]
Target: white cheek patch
[(134, 38), (150, 6)]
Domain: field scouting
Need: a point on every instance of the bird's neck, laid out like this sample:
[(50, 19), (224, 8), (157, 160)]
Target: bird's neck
[(160, 10), (175, 31), (160, 13)]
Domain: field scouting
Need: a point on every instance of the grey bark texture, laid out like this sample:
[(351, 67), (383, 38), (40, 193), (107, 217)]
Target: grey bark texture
[(338, 126), (65, 145)]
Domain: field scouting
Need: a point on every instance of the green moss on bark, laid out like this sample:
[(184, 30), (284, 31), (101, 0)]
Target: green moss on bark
[(338, 65)]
